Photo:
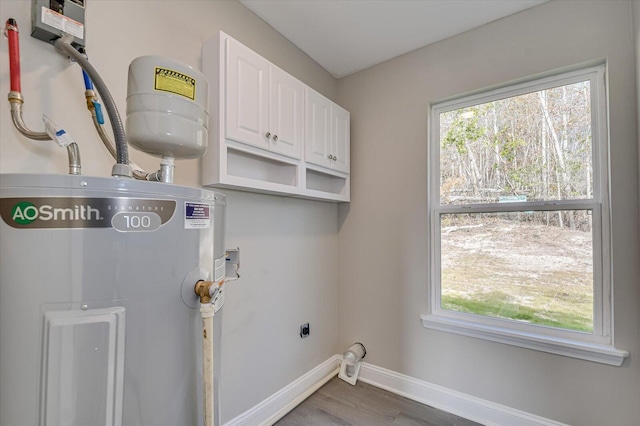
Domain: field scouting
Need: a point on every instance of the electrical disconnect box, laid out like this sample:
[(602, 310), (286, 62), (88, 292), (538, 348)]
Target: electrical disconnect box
[(51, 18)]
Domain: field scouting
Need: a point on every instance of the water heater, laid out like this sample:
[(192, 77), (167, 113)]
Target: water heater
[(99, 322)]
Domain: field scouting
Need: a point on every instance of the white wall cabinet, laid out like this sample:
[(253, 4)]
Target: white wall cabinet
[(286, 113), (264, 103), (268, 131), (341, 143), (317, 149), (327, 133)]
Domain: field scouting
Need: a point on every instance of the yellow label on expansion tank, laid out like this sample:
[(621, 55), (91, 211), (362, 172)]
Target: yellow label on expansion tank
[(175, 82)]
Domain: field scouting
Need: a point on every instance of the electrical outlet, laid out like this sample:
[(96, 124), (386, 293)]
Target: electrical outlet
[(304, 330)]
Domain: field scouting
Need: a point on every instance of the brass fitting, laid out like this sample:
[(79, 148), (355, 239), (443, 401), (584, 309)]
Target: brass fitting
[(90, 96), (15, 97), (203, 290)]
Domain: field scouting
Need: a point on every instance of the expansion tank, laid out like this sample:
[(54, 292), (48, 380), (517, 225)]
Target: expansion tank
[(99, 324)]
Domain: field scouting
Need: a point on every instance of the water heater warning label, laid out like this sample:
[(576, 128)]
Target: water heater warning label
[(62, 23), (171, 81), (196, 215)]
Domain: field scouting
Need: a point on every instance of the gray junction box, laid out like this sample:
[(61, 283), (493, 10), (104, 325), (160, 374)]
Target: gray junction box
[(50, 18)]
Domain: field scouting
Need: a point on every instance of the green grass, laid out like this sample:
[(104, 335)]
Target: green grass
[(481, 284), (496, 304)]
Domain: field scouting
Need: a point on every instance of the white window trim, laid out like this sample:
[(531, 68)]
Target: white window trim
[(597, 346)]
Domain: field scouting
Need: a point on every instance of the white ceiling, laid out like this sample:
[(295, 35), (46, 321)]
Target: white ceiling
[(345, 36)]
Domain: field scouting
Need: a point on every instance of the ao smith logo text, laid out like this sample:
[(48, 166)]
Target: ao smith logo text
[(70, 212), (25, 213)]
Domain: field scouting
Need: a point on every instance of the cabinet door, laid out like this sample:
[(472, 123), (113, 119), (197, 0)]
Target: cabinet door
[(247, 96), (317, 141), (286, 113), (341, 139)]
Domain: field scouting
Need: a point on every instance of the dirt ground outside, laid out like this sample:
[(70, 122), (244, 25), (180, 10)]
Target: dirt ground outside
[(519, 270)]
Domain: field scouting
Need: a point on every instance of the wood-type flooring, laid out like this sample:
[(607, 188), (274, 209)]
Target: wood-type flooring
[(339, 403)]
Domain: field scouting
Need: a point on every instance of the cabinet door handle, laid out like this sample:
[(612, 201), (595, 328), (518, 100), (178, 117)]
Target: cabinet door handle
[(275, 138), (330, 157), (335, 158), (268, 135)]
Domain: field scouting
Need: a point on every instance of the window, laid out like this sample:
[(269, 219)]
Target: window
[(519, 216)]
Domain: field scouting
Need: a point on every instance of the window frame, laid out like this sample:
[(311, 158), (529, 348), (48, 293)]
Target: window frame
[(596, 346)]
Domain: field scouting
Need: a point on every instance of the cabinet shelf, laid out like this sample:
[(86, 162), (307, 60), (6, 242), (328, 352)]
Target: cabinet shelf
[(327, 183), (249, 166)]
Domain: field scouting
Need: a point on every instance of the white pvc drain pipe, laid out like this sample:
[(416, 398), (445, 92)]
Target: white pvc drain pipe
[(207, 311)]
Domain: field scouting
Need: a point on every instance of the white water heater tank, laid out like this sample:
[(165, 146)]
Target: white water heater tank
[(99, 321), (167, 103)]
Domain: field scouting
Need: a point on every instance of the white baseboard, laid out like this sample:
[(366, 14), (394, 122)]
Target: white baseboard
[(479, 410), (458, 403), (286, 399)]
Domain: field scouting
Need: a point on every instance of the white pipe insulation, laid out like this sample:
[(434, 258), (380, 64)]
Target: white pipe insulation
[(207, 311)]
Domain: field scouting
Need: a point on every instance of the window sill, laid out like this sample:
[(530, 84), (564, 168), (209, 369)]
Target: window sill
[(603, 354)]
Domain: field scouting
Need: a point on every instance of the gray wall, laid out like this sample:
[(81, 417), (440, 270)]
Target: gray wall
[(289, 247), (383, 231)]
